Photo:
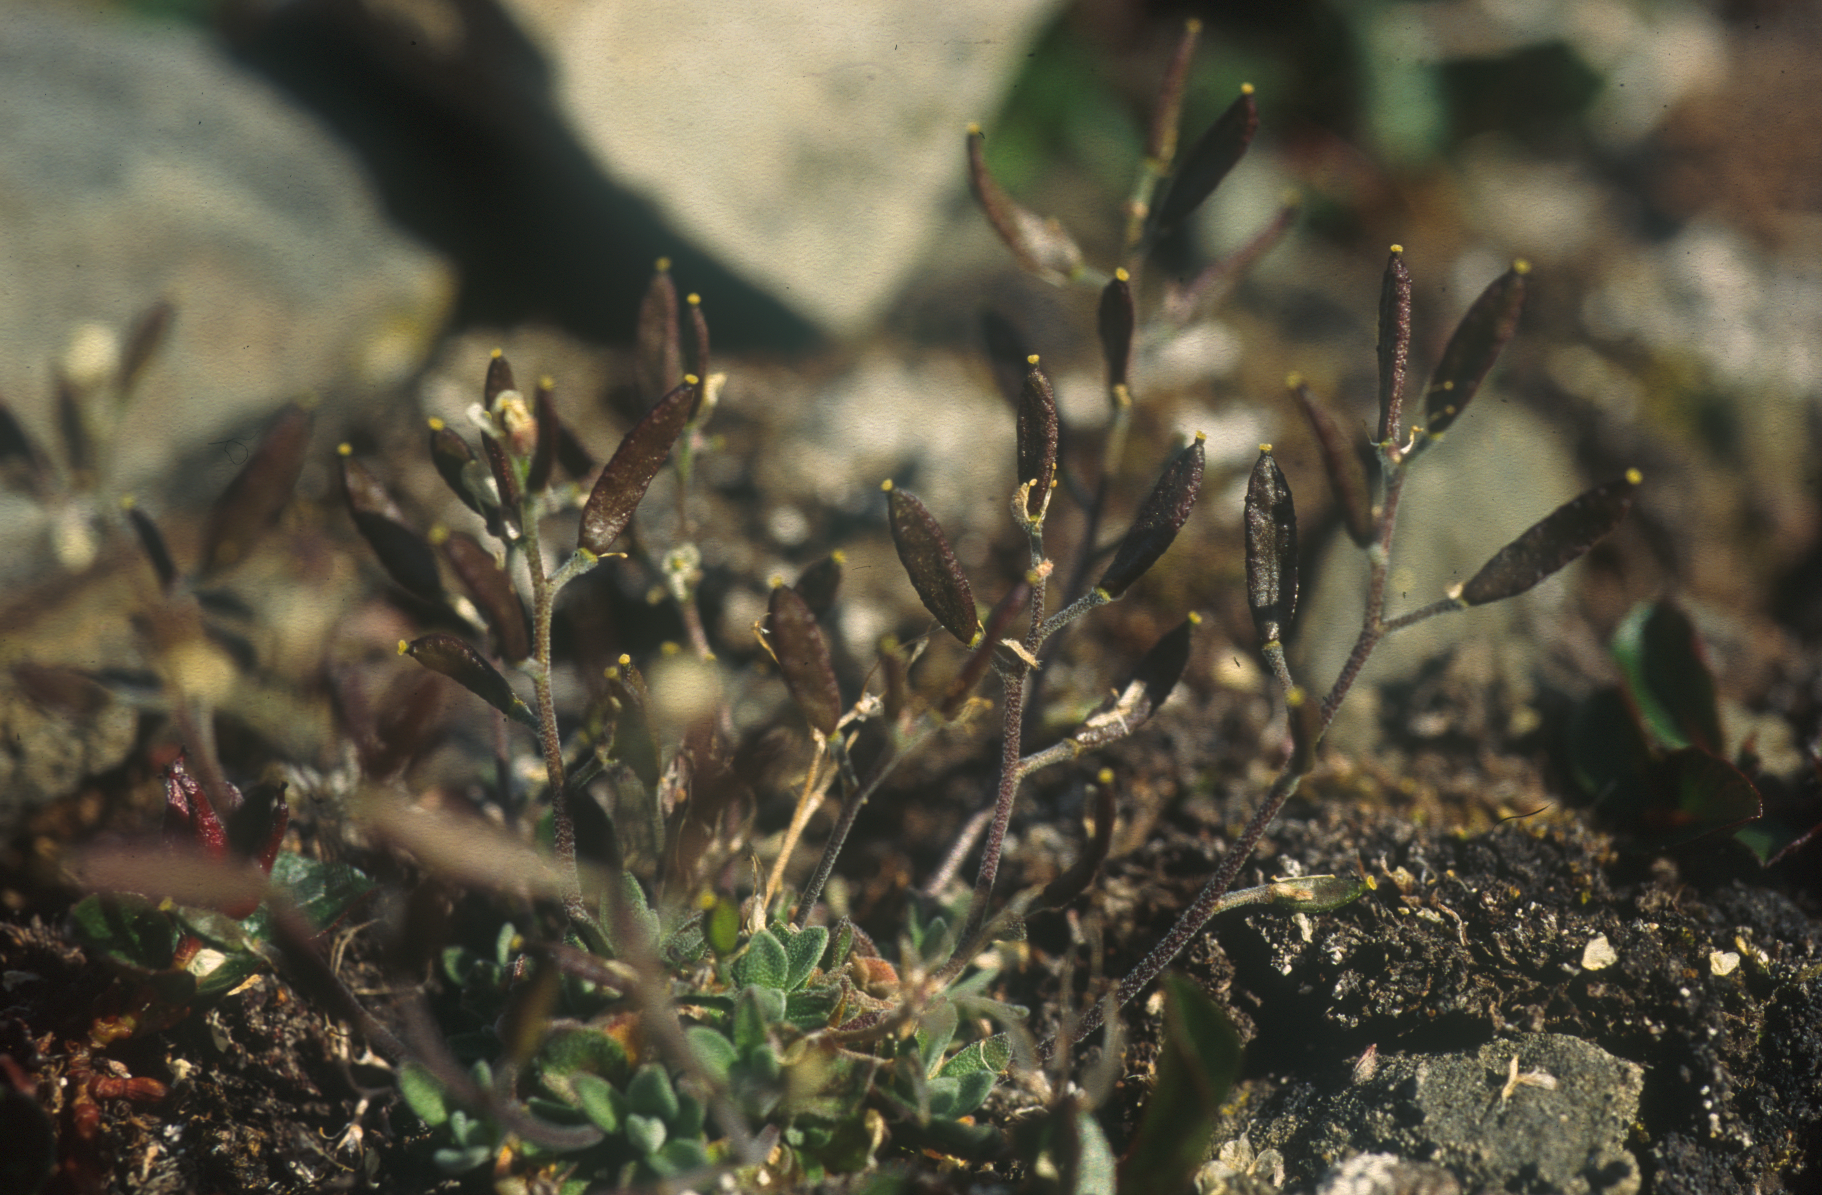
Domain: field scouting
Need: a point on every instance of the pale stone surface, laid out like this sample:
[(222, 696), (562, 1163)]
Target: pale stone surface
[(812, 147)]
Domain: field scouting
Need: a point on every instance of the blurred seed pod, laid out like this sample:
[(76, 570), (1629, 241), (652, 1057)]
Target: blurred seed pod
[(1470, 353), (1271, 548), (699, 336), (1394, 342), (817, 585), (544, 453), (73, 427), (803, 659), (505, 480), (256, 830), (999, 621), (1160, 517), (258, 492), (1037, 436), (657, 350), (1073, 882), (463, 473), (144, 340), (1116, 319), (22, 466), (1208, 161), (1007, 351), (499, 378), (151, 541), (924, 551), (635, 742), (894, 677), (493, 593), (1562, 535), (576, 460), (402, 728), (189, 816), (642, 452), (1167, 114), (461, 663), (1040, 246), (1149, 687), (401, 551), (1341, 461)]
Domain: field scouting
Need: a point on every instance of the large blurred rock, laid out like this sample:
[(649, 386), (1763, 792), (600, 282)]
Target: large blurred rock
[(814, 147), (139, 164)]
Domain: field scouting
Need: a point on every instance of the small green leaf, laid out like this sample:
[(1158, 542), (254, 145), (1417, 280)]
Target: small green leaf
[(1667, 676), (1160, 517), (570, 1052), (646, 1133), (622, 485), (804, 951), (688, 1121), (924, 551), (321, 889), (651, 1094), (723, 926), (679, 1157), (1198, 1061), (971, 1091), (128, 929), (764, 964), (1482, 333), (459, 1161), (1271, 548), (455, 659), (935, 1030), (1094, 1170), (715, 1052), (600, 1101), (755, 1010), (991, 1054), (810, 1008), (424, 1092), (1702, 794), (1560, 537)]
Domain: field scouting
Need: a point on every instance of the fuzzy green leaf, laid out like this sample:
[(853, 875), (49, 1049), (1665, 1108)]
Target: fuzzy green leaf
[(646, 1133), (804, 951), (1198, 1061), (764, 964), (935, 1030), (622, 485), (651, 1094), (424, 1092), (714, 1051), (990, 1054)]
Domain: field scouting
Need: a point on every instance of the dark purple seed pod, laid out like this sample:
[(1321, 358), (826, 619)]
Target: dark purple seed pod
[(1167, 114), (457, 465), (505, 479), (1037, 436), (1341, 461), (151, 540), (1149, 687), (1271, 548), (657, 348), (144, 340), (1564, 534), (817, 585), (1160, 517), (1116, 320), (924, 551), (1007, 352), (1075, 881), (493, 594), (999, 621), (544, 454), (401, 551), (803, 659), (1470, 353), (258, 492), (1394, 342), (499, 378), (1208, 161), (455, 659), (642, 452), (1040, 246)]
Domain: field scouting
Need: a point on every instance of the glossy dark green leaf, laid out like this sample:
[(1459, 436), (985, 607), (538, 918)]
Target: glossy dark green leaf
[(143, 341), (1208, 161), (544, 455), (461, 663), (322, 890), (1037, 436), (1341, 461), (622, 485), (151, 541), (1667, 676), (493, 592), (1560, 537), (818, 584), (1198, 1061), (128, 929), (258, 492), (1149, 687), (401, 551), (1609, 755), (803, 659), (999, 622), (924, 551), (1470, 353), (498, 380), (658, 351), (1271, 549), (1160, 517), (1040, 246), (1116, 320), (1394, 342)]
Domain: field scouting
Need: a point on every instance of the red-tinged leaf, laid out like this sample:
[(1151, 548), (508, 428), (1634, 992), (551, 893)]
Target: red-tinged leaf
[(493, 593), (929, 561), (1562, 536), (1470, 353), (144, 340), (817, 585), (401, 551), (1160, 517), (544, 455), (1394, 342), (999, 621), (1667, 677), (1149, 687), (1701, 794), (1271, 548), (803, 659), (1341, 461), (505, 479), (699, 336), (658, 353), (151, 541), (1167, 114), (258, 492), (1037, 436), (1208, 161), (461, 663), (622, 485), (1040, 246), (499, 379), (1115, 320), (189, 815)]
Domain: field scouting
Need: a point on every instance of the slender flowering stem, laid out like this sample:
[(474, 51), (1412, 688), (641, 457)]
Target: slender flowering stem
[(544, 600)]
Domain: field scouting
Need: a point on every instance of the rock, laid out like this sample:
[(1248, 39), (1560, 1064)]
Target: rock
[(815, 149)]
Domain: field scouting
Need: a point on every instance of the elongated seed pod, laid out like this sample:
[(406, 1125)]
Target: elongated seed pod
[(1116, 320), (258, 492), (1037, 436), (1470, 353), (1167, 113), (151, 541), (142, 344), (929, 561), (544, 454), (1150, 685), (1340, 460), (642, 452), (1160, 517), (817, 585), (499, 378), (1271, 548), (493, 593), (658, 346), (1394, 343), (505, 480), (1561, 536), (1208, 161), (803, 659), (401, 551), (462, 472), (461, 663), (1040, 246)]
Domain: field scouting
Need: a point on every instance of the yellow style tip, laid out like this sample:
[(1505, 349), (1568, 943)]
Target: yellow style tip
[(404, 648), (497, 353), (693, 299), (1520, 266), (663, 265), (839, 556), (886, 486), (436, 425), (344, 449), (1634, 477), (1246, 89), (128, 501), (1292, 380), (1265, 448), (1122, 275), (1032, 359), (690, 379)]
